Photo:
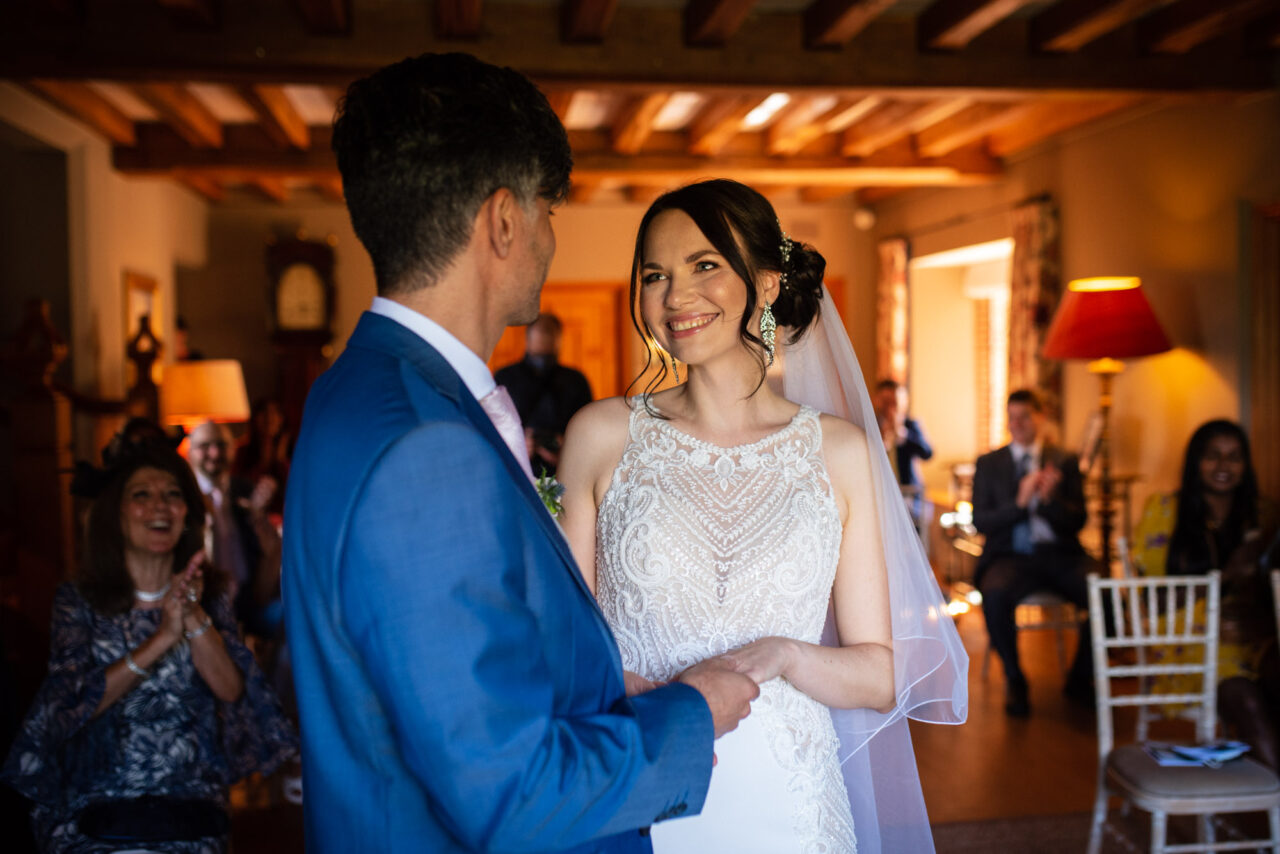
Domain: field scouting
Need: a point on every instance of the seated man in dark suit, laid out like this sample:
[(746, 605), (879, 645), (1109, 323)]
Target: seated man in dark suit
[(1028, 501)]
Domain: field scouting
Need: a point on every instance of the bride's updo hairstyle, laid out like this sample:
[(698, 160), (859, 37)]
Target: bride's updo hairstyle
[(744, 229)]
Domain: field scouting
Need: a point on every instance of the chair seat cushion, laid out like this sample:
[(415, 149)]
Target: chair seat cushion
[(1238, 777)]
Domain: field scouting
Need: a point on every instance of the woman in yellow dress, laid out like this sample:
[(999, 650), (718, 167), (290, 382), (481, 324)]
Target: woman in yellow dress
[(1217, 521)]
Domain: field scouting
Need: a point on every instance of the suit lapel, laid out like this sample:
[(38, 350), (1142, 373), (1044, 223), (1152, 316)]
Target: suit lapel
[(381, 333), (1009, 466)]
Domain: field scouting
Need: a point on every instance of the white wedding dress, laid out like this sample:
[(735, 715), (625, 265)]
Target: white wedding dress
[(702, 549)]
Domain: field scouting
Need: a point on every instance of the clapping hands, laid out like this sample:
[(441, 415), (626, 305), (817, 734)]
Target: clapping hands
[(1039, 484), (182, 605)]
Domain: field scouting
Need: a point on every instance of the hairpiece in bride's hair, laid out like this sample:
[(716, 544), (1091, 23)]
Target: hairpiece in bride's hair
[(785, 249)]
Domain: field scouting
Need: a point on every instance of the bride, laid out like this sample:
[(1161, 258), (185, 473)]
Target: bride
[(727, 517)]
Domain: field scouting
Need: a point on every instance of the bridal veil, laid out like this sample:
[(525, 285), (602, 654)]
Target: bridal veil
[(930, 664)]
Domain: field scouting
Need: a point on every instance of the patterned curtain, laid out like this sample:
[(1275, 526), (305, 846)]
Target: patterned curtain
[(892, 319), (1035, 285)]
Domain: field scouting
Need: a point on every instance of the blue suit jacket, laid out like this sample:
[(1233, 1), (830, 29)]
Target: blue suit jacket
[(458, 687)]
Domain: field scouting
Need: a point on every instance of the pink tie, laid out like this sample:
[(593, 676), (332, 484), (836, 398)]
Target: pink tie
[(502, 412)]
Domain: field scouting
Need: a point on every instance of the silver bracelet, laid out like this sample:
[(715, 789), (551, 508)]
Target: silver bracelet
[(133, 665), (201, 629)]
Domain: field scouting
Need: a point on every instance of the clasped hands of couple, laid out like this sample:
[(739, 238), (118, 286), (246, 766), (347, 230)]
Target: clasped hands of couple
[(728, 682)]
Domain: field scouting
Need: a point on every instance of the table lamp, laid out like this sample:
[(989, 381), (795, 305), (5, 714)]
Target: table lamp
[(203, 390), (1104, 319)]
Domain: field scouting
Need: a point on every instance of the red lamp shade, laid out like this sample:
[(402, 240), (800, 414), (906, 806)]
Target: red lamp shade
[(1104, 318)]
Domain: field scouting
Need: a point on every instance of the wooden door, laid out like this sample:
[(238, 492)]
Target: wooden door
[(595, 333)]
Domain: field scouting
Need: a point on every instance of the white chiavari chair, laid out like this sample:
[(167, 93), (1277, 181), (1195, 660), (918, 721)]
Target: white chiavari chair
[(1151, 613)]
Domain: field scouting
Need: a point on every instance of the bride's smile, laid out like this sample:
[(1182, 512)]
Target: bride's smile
[(683, 327)]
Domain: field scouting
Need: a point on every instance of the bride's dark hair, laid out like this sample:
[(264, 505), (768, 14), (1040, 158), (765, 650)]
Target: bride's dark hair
[(744, 229)]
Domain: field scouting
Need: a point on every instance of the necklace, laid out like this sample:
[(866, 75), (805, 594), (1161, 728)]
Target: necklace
[(152, 595)]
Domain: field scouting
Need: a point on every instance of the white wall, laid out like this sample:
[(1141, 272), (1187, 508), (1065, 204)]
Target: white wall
[(943, 369)]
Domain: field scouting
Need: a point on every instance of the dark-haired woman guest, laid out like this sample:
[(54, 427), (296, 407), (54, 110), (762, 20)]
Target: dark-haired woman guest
[(1217, 521), (152, 706)]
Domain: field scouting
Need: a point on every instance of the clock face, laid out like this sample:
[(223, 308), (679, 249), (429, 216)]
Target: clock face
[(300, 298)]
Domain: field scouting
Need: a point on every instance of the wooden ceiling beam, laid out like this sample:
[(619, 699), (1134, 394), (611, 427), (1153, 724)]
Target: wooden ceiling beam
[(457, 19), (718, 123), (855, 111), (784, 124), (815, 193), (202, 14), (968, 125), (273, 188), (645, 194), (1178, 28), (250, 154), (329, 17), (635, 122), (183, 112), (874, 195), (788, 136), (895, 166), (1048, 119), (1070, 25), (560, 101), (277, 115), (583, 190), (893, 121), (330, 188), (713, 22), (952, 24), (84, 104), (832, 23), (274, 46), (210, 188), (586, 20), (246, 149)]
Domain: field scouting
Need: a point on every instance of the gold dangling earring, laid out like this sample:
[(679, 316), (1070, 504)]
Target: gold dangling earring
[(768, 330), (675, 369)]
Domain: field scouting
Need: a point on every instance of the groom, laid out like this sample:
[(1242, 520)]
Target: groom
[(458, 688)]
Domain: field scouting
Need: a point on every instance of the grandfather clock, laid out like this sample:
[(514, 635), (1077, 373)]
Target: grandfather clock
[(301, 298)]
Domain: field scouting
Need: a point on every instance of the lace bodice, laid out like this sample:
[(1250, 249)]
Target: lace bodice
[(701, 549)]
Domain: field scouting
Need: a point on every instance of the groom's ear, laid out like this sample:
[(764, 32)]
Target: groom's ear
[(500, 213)]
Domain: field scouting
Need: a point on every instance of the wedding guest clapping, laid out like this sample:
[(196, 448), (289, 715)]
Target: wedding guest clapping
[(152, 706)]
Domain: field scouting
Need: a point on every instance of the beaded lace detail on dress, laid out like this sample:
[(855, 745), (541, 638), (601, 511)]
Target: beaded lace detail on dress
[(701, 549)]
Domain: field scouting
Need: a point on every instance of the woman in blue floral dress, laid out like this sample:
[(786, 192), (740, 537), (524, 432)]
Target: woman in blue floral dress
[(152, 705)]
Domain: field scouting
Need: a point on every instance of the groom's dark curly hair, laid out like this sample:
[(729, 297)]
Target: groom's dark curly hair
[(422, 143)]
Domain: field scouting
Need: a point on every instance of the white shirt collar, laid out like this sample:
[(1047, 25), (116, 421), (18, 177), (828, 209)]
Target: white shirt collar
[(207, 485), (474, 372), (1020, 451)]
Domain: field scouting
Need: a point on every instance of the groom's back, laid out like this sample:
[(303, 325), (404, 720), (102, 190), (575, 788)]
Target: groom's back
[(351, 764)]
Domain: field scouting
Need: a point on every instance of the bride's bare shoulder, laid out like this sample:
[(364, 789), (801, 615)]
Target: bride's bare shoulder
[(607, 414), (598, 429), (845, 452), (841, 437)]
